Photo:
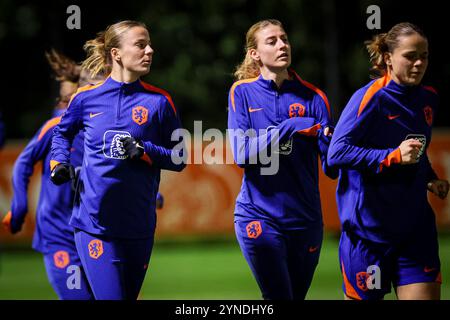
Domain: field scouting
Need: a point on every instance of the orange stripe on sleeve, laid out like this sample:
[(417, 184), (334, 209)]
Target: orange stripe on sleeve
[(393, 157), (349, 290), (312, 131), (7, 221), (233, 88), (49, 125), (160, 91), (374, 88), (315, 89)]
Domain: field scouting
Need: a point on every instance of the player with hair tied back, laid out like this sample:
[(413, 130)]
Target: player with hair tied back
[(380, 144), (278, 217), (128, 126), (53, 236)]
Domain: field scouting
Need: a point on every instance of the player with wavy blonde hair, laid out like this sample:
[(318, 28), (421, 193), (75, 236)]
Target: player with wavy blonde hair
[(278, 218)]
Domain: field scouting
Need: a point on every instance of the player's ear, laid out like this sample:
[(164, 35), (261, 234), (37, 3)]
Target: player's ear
[(254, 54), (115, 54), (387, 57)]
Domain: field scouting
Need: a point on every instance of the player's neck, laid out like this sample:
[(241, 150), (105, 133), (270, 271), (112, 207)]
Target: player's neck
[(276, 76), (122, 75)]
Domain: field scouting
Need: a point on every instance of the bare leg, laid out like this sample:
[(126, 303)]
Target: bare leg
[(419, 291)]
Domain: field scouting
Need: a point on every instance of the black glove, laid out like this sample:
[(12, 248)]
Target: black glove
[(62, 173), (133, 148)]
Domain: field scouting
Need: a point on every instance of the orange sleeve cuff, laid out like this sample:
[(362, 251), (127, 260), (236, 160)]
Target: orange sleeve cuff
[(393, 157), (312, 131), (7, 221), (147, 159), (53, 164)]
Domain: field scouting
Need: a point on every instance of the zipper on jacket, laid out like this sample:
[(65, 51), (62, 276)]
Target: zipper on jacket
[(277, 105), (119, 102)]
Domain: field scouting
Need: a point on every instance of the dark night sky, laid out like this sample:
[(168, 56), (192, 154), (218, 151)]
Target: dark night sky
[(27, 29)]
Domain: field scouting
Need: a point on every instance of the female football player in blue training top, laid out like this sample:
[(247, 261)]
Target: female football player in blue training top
[(278, 217), (53, 236), (380, 144), (127, 126)]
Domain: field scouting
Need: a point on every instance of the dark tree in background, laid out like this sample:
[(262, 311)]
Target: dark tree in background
[(198, 44)]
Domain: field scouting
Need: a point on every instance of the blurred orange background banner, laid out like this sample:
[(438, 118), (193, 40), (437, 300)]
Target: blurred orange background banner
[(200, 200)]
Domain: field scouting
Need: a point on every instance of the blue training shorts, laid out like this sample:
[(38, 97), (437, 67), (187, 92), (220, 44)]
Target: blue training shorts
[(369, 269)]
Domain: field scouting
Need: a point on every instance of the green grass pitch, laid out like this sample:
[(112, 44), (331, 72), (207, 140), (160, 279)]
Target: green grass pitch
[(191, 270)]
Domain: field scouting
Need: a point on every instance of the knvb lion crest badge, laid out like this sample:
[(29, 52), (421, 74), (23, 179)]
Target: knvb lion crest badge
[(61, 259), (296, 110), (140, 115), (361, 280), (95, 248), (254, 229)]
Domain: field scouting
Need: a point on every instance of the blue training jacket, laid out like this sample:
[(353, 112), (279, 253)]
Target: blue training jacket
[(378, 198), (118, 195), (290, 198)]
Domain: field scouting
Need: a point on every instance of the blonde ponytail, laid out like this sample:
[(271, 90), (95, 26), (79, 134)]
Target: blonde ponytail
[(247, 69), (97, 58)]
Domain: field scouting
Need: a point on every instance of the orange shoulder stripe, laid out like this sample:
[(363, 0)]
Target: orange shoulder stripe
[(374, 88), (86, 88), (233, 87), (160, 91), (315, 89), (49, 125), (430, 88)]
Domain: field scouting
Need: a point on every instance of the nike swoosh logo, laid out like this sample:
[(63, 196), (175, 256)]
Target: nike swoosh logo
[(254, 110), (313, 249), (92, 115), (426, 269), (393, 117)]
